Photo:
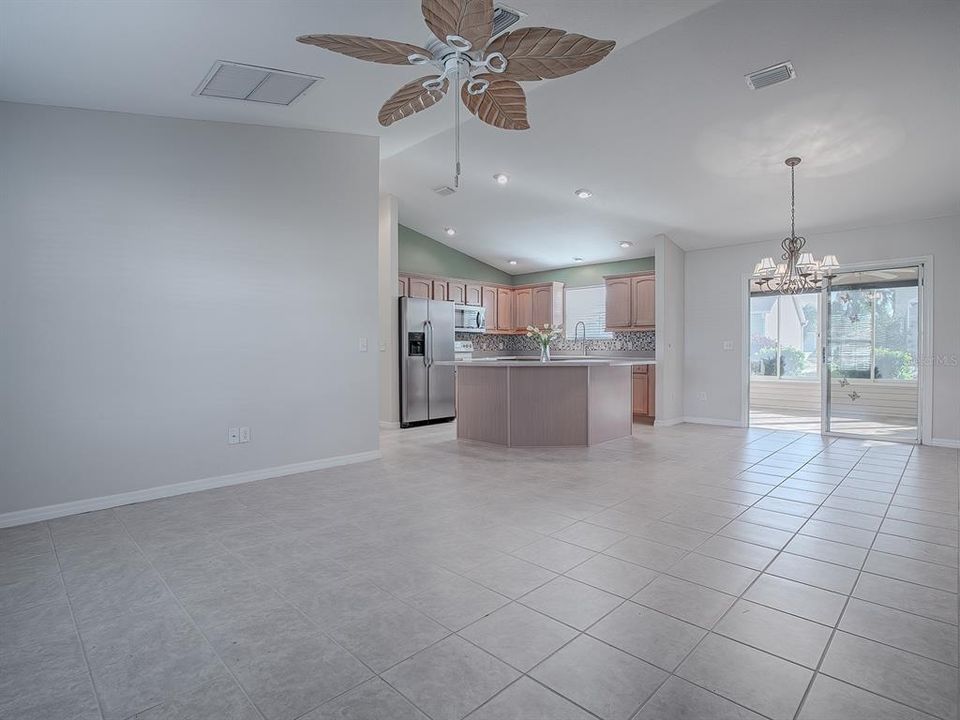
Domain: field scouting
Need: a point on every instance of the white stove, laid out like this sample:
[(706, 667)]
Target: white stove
[(462, 350)]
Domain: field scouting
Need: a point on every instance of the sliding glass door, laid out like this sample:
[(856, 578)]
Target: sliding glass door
[(870, 357)]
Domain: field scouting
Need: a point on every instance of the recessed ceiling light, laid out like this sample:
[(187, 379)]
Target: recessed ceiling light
[(450, 231), (501, 178), (512, 262), (578, 259), (583, 193), (626, 244)]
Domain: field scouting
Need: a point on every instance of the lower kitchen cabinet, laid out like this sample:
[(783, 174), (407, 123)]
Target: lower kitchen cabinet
[(644, 391)]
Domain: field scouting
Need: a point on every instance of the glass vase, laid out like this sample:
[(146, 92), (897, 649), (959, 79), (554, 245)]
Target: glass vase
[(544, 353)]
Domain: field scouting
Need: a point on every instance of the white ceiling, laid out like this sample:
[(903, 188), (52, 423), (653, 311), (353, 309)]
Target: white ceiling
[(664, 131)]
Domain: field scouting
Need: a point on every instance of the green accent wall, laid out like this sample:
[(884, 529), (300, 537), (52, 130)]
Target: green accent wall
[(580, 275), (417, 253)]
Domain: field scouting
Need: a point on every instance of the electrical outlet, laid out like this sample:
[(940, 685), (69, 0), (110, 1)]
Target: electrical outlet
[(233, 436), (244, 434), (363, 344), (702, 396), (728, 344)]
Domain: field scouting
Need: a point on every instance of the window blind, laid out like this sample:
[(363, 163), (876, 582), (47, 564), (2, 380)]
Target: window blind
[(587, 305)]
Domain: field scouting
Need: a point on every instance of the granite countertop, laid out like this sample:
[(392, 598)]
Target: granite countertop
[(555, 361)]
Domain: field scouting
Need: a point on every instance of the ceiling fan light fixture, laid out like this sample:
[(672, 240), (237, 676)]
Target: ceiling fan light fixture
[(583, 193), (501, 178), (450, 231), (511, 262), (626, 244)]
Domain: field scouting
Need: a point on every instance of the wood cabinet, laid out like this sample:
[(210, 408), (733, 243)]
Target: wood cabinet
[(488, 298), (644, 391), (457, 292), (548, 304), (618, 303), (505, 310), (630, 302), (509, 310), (420, 288), (643, 299), (523, 306), (472, 294)]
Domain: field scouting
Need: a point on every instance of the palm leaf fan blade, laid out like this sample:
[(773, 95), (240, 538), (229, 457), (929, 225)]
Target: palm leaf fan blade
[(410, 99), (470, 19), (539, 53), (387, 52), (503, 104)]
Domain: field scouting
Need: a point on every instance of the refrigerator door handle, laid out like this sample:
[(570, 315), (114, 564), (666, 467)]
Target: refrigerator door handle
[(428, 342)]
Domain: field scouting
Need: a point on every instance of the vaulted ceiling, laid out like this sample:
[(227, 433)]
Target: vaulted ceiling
[(665, 131)]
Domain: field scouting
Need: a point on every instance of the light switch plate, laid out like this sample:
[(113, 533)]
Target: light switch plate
[(244, 434), (233, 436), (728, 344), (363, 344)]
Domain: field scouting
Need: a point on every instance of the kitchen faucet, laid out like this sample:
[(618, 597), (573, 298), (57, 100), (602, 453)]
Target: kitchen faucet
[(576, 330)]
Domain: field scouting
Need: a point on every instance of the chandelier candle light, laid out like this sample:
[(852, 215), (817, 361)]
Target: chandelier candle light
[(799, 271)]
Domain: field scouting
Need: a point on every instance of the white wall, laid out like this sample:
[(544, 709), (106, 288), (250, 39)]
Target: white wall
[(669, 270), (162, 280), (715, 312), (389, 312)]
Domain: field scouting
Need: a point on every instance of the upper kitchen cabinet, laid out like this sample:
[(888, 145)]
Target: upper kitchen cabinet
[(440, 290), (505, 310), (631, 302), (523, 307), (643, 314), (488, 299), (457, 292), (473, 294), (618, 303), (547, 305), (420, 288)]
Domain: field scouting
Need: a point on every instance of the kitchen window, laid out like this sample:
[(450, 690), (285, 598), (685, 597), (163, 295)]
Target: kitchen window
[(589, 306)]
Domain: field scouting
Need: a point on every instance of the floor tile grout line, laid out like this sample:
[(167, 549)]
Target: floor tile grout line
[(187, 614), (836, 628), (719, 620), (76, 625)]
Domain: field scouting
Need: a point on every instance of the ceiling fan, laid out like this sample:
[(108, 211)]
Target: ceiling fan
[(462, 50)]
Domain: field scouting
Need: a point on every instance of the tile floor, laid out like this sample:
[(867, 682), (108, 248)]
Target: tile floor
[(689, 572)]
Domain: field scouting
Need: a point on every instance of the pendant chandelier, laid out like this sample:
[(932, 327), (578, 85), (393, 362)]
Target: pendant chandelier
[(798, 271)]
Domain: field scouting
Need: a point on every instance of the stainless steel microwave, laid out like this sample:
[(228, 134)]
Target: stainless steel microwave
[(469, 318)]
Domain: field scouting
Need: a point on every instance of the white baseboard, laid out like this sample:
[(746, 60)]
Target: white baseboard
[(389, 425), (48, 512), (713, 421), (944, 442), (657, 422)]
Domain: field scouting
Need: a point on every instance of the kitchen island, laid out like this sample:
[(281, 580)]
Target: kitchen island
[(521, 402)]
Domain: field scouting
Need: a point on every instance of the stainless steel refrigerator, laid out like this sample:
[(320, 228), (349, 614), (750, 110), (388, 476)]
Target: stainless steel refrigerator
[(427, 390)]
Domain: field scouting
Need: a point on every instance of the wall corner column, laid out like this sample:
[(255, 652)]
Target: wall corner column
[(387, 272)]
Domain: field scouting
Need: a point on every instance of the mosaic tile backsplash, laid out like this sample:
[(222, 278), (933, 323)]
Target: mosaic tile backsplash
[(644, 341)]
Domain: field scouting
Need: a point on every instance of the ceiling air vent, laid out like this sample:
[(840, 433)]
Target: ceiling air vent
[(504, 18), (771, 76), (237, 81), (444, 190)]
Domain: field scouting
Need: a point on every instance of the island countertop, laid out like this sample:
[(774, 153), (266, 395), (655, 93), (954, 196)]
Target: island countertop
[(556, 361)]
